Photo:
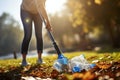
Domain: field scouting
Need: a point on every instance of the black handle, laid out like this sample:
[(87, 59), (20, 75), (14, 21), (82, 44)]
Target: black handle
[(54, 43)]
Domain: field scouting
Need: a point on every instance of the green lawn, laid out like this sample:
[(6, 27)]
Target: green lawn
[(12, 66), (89, 55)]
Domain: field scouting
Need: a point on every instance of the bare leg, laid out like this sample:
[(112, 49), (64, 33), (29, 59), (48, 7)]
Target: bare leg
[(39, 55)]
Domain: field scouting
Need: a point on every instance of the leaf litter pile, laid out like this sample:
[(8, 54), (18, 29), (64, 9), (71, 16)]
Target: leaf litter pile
[(105, 69)]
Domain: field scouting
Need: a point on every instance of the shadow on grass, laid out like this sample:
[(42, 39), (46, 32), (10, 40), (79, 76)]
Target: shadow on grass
[(16, 73)]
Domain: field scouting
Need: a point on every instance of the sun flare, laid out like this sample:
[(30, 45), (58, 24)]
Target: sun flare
[(53, 6)]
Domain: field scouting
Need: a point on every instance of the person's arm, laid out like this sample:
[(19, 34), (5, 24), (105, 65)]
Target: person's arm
[(44, 14)]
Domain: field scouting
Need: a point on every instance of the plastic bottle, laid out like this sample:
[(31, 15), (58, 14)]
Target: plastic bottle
[(57, 66), (61, 64), (79, 63), (80, 59)]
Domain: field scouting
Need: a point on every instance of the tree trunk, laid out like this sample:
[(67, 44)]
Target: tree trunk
[(114, 32)]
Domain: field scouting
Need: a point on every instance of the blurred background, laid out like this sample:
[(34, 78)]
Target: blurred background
[(78, 25)]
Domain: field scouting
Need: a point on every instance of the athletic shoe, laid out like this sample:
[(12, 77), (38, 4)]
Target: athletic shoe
[(39, 61), (24, 63)]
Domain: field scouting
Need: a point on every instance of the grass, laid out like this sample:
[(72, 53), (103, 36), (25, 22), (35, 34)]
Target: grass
[(89, 55), (13, 66)]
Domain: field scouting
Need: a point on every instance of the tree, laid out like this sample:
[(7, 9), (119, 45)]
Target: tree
[(101, 13), (10, 34)]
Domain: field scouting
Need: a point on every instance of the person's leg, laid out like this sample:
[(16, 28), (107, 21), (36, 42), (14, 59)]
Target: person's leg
[(27, 25), (38, 33)]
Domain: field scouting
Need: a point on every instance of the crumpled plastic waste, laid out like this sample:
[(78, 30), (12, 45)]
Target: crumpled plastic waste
[(76, 64)]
